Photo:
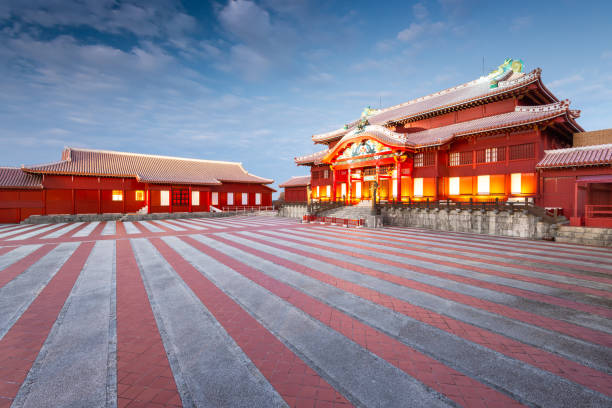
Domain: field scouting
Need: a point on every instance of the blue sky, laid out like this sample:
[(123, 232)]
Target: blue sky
[(252, 81)]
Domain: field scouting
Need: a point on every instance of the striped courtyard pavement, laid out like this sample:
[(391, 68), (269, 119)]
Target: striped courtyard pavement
[(267, 312)]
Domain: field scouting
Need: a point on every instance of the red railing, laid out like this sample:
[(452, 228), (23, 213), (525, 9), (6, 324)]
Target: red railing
[(599, 216), (334, 220)]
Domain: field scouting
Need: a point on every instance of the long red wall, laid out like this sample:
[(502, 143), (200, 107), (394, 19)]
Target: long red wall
[(93, 195)]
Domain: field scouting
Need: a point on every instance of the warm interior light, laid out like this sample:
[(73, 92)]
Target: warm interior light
[(164, 198), (195, 198), (328, 191), (418, 187), (318, 195), (117, 195), (394, 182), (484, 183), (453, 186), (140, 195), (515, 183)]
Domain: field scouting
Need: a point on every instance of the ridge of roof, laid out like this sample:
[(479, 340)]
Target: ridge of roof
[(157, 156), (510, 81)]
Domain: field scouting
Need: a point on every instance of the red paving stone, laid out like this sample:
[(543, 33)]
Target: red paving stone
[(508, 275), (14, 270), (578, 373), (21, 345), (442, 378), (580, 332), (143, 371), (457, 278), (292, 378), (394, 241)]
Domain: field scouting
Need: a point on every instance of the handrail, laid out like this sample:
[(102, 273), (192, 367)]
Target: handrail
[(247, 208)]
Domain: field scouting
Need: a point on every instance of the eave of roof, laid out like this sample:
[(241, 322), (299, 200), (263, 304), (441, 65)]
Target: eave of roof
[(584, 156), (15, 179), (296, 181)]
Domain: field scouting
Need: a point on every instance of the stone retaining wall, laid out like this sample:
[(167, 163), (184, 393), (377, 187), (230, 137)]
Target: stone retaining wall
[(293, 211), (519, 224)]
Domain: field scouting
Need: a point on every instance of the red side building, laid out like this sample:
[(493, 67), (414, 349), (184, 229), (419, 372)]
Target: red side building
[(477, 141), (88, 181), (296, 189)]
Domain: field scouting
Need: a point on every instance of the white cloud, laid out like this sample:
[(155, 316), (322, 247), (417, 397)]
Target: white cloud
[(566, 81), (420, 11), (416, 30)]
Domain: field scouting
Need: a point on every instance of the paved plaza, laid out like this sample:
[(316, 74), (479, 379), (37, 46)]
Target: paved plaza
[(268, 312)]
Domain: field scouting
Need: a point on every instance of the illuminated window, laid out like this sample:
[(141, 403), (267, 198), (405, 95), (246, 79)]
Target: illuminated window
[(515, 183), (230, 198), (318, 195), (328, 191), (215, 198), (484, 183), (257, 198), (453, 186), (164, 198), (394, 188), (343, 189), (195, 198), (117, 195), (418, 187), (245, 198), (358, 189), (139, 195)]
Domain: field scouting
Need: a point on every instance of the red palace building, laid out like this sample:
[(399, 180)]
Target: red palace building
[(88, 181), (296, 189), (496, 137)]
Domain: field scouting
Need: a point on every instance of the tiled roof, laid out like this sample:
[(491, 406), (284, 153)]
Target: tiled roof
[(147, 168), (297, 181), (311, 158), (14, 177), (456, 96), (577, 157), (522, 115)]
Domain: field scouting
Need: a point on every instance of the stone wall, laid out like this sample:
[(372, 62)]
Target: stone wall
[(519, 224), (585, 236), (293, 211)]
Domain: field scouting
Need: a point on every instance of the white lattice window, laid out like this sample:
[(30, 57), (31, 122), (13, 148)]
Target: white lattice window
[(230, 198), (215, 198), (418, 160), (453, 186), (245, 198), (515, 183), (164, 198), (484, 183), (454, 159), (257, 198), (195, 198), (418, 187)]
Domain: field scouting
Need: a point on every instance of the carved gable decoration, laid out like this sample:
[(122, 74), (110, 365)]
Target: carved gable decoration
[(364, 147)]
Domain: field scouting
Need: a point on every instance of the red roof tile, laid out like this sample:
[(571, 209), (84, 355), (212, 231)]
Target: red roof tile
[(297, 181), (456, 96), (147, 168), (522, 115), (13, 177), (596, 155)]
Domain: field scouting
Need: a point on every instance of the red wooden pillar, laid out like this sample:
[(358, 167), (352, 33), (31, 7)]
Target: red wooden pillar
[(190, 203), (348, 186), (44, 196), (99, 201), (333, 185), (148, 198), (170, 201), (398, 180), (73, 202)]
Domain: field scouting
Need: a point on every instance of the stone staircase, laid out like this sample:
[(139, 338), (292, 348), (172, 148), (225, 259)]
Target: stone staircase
[(353, 212), (601, 237)]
